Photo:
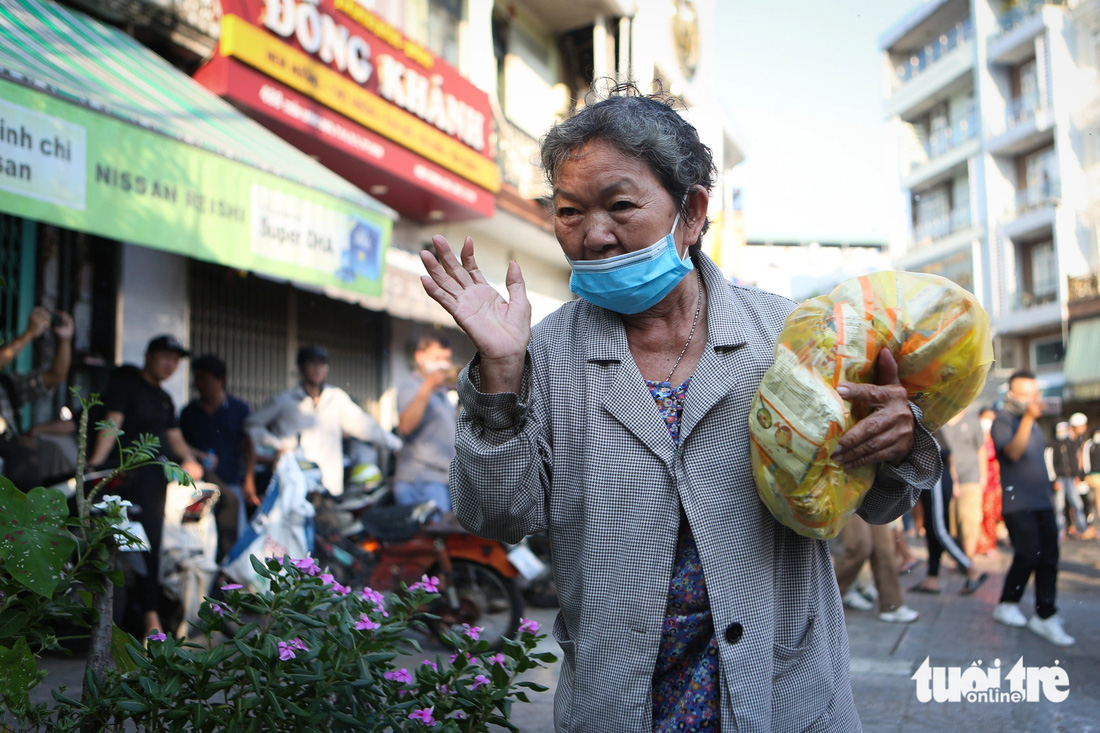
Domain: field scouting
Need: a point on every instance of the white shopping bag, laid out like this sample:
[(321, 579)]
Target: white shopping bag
[(283, 525), (188, 548)]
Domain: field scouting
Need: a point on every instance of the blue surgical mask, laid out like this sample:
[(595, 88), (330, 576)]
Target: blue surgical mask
[(633, 282)]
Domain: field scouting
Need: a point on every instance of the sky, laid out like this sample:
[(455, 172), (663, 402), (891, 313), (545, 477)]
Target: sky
[(802, 82)]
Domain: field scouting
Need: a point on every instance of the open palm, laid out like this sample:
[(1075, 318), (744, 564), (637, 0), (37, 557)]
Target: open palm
[(499, 328)]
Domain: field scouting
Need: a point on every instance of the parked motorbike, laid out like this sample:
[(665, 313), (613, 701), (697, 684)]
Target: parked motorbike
[(187, 555), (365, 539)]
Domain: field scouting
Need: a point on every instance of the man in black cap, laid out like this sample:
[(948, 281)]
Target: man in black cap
[(136, 402), (316, 417)]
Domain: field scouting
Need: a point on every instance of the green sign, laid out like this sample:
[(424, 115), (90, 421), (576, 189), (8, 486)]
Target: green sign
[(66, 165)]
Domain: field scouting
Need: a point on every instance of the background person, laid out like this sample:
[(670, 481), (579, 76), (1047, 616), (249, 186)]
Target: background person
[(26, 459), (620, 425), (426, 424), (1028, 512), (1065, 461), (316, 417), (213, 425), (991, 492), (138, 405), (1079, 428)]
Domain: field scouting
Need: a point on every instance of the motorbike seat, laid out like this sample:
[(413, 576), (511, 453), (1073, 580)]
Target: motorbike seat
[(392, 523)]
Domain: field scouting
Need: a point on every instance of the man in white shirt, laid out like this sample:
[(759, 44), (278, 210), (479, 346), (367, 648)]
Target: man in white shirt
[(316, 417)]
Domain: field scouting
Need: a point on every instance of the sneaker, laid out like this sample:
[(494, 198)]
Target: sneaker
[(900, 615), (854, 599), (869, 592), (1009, 614), (1051, 630)]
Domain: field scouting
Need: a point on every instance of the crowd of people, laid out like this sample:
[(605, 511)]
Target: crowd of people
[(1002, 480), (217, 437)]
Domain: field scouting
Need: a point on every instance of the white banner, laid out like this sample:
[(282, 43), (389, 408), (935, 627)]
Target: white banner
[(42, 156)]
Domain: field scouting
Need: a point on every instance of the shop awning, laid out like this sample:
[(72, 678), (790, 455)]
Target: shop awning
[(1082, 363), (99, 134)]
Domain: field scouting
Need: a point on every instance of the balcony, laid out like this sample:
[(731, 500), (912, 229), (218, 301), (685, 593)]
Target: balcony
[(925, 58), (1032, 211), (1029, 311), (1014, 39), (519, 160), (1029, 122), (934, 231), (1083, 288), (928, 74), (943, 151)]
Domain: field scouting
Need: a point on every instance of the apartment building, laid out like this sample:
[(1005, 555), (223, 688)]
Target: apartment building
[(989, 100)]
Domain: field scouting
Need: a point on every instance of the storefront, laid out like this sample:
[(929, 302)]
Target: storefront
[(111, 159), (355, 93)]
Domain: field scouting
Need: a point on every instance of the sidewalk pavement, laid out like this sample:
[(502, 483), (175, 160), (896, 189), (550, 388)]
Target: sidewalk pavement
[(953, 631)]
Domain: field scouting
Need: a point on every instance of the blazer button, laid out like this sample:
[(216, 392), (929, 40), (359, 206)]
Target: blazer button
[(733, 633)]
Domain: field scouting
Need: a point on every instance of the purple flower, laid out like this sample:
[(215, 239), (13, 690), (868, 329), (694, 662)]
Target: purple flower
[(400, 675), (424, 715), (472, 631), (426, 584), (365, 624), (457, 715), (430, 663), (479, 681), (443, 689), (497, 658), (217, 608), (373, 596), (307, 565), (287, 648), (340, 590), (232, 586), (327, 579), (156, 636), (528, 626)]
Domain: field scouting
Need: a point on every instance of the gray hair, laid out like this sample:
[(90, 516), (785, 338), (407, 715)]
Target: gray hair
[(641, 126)]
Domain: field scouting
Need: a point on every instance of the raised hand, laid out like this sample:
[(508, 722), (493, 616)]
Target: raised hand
[(500, 329), (887, 433)]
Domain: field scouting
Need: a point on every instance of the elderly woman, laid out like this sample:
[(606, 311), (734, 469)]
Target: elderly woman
[(620, 425)]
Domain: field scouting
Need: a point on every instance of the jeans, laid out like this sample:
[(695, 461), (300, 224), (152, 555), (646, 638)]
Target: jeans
[(1069, 494), (417, 492)]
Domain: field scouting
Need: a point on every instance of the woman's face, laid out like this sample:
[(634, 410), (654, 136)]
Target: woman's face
[(608, 204)]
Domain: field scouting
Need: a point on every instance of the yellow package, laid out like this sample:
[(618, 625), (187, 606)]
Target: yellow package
[(939, 336)]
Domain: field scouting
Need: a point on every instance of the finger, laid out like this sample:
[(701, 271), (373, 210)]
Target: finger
[(450, 263), (519, 307), (887, 368), (470, 263), (873, 395), (438, 294), (439, 275)]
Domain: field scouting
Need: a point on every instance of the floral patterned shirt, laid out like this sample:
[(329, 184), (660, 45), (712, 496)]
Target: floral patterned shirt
[(686, 693)]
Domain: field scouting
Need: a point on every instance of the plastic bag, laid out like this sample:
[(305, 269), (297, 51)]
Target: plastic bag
[(283, 525), (940, 337)]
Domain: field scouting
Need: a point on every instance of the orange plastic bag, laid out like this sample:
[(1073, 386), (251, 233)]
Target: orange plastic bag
[(939, 335)]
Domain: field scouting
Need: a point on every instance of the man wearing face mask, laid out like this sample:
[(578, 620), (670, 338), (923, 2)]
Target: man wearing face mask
[(426, 422), (1028, 512)]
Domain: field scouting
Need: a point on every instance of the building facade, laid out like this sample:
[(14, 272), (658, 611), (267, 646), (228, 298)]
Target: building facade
[(990, 101), (428, 113)]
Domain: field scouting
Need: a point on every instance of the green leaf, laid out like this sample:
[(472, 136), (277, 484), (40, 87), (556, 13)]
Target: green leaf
[(33, 540), (533, 686), (120, 640), (18, 673)]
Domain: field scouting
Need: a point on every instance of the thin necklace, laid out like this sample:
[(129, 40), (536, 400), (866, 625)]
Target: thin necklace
[(694, 323)]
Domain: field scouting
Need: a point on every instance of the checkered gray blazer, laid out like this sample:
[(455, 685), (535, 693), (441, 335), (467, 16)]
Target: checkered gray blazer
[(583, 453)]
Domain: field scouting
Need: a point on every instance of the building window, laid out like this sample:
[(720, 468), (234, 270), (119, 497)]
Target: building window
[(432, 23), (1047, 352), (1039, 265)]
